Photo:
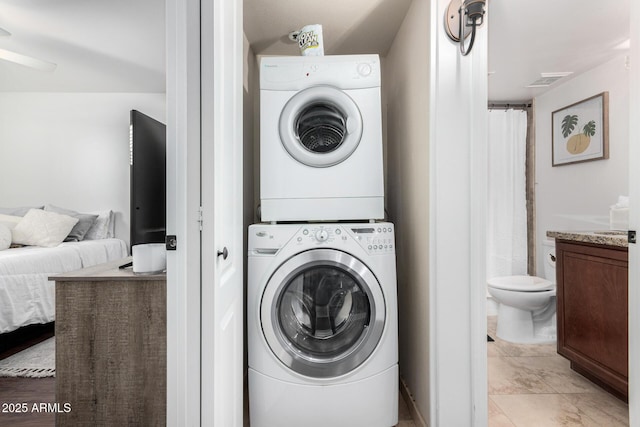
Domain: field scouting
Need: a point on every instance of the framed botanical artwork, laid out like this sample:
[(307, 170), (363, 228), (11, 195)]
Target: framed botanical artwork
[(580, 131)]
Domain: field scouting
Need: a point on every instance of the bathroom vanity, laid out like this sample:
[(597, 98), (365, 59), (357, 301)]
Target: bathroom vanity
[(592, 306)]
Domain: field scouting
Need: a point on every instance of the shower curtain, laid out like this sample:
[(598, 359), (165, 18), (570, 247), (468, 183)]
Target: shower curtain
[(507, 211)]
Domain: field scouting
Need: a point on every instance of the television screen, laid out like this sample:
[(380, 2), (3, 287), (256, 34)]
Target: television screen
[(147, 144)]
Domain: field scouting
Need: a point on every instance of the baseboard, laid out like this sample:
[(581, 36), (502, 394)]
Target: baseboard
[(411, 403)]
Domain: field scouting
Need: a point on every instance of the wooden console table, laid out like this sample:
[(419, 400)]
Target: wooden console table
[(111, 347)]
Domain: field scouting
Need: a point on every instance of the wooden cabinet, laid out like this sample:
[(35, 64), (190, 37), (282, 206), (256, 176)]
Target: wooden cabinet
[(111, 347), (593, 312)]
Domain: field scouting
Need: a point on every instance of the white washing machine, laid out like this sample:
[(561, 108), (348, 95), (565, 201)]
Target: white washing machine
[(322, 325), (321, 138)]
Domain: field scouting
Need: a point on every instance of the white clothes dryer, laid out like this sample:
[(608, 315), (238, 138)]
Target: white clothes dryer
[(321, 138), (322, 325)]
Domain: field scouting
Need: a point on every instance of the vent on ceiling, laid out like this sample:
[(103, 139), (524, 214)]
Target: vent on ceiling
[(547, 79)]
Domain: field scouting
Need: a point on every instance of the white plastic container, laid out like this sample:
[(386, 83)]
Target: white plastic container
[(149, 258)]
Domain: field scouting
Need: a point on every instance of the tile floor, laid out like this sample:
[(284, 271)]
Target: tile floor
[(532, 385), (404, 416)]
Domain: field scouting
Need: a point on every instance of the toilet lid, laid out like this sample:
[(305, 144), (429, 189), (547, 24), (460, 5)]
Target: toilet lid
[(521, 283)]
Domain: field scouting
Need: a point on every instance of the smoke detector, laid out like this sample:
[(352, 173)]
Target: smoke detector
[(547, 79)]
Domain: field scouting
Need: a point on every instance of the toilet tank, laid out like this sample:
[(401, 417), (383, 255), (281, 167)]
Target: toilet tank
[(549, 253)]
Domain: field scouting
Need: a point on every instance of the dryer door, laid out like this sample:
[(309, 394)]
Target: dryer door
[(323, 313), (320, 126)]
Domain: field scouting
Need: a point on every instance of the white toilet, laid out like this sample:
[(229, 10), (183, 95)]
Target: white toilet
[(527, 304)]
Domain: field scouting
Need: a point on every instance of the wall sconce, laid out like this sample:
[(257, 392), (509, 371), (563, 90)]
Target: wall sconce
[(473, 11)]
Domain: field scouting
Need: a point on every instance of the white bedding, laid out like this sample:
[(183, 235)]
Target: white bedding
[(26, 294)]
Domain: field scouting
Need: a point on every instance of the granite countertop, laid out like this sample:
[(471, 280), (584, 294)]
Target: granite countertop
[(605, 237)]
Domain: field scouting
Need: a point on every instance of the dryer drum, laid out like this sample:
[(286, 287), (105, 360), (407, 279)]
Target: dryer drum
[(321, 128)]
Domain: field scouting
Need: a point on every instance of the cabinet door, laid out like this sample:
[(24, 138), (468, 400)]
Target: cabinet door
[(592, 311)]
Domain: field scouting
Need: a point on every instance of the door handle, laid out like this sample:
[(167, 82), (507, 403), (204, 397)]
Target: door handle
[(224, 252)]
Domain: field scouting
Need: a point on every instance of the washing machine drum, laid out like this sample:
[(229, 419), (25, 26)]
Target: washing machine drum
[(320, 126), (323, 313)]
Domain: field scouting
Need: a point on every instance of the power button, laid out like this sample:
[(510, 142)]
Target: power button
[(364, 69)]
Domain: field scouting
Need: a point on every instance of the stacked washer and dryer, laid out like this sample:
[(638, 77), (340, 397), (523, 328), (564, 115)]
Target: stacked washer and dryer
[(321, 300)]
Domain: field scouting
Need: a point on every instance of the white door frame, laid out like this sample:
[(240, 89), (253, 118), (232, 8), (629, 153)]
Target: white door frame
[(222, 314), (457, 228), (634, 222), (183, 201)]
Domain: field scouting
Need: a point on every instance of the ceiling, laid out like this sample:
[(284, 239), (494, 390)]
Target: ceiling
[(98, 45), (119, 45), (348, 26), (528, 38)]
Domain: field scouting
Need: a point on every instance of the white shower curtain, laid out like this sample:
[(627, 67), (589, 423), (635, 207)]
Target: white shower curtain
[(507, 213)]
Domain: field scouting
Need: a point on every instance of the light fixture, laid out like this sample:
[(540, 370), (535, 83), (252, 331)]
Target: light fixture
[(27, 61), (471, 12)]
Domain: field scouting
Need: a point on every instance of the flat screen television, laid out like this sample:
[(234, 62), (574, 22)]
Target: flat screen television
[(147, 145)]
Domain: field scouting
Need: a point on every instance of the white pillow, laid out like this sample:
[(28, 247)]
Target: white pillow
[(43, 228), (5, 237), (10, 220), (101, 227)]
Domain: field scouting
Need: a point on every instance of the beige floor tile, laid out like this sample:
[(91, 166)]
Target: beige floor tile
[(542, 410), (525, 350), (403, 409), (507, 375), (493, 350), (556, 372), (497, 418), (602, 407)]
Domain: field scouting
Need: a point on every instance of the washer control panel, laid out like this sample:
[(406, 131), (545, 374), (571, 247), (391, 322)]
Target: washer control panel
[(373, 238), (319, 234), (376, 238)]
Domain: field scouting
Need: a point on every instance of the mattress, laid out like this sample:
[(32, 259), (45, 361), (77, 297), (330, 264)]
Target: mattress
[(26, 295)]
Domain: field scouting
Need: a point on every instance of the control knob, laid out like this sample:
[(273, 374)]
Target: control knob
[(322, 235)]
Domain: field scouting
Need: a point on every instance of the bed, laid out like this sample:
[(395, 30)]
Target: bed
[(26, 295), (37, 242)]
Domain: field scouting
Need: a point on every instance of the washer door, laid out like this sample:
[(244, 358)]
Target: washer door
[(320, 126), (322, 313)]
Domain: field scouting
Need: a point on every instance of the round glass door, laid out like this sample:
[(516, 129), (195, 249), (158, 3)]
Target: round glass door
[(323, 313), (320, 126)]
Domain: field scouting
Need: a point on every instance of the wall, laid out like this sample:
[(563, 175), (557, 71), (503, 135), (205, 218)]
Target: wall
[(578, 196), (70, 149), (406, 92)]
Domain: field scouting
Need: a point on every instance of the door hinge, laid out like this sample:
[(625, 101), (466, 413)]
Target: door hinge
[(200, 218)]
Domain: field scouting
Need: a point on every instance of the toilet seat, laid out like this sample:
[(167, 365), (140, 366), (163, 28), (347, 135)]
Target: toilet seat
[(521, 283)]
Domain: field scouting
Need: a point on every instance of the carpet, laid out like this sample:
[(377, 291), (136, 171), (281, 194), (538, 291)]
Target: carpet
[(37, 361)]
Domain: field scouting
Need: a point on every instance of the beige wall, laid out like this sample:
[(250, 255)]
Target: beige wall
[(578, 196), (406, 92)]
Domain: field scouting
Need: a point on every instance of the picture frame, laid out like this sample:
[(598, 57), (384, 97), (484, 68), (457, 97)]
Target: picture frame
[(580, 131)]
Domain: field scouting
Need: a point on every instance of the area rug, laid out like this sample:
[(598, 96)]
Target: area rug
[(37, 361)]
